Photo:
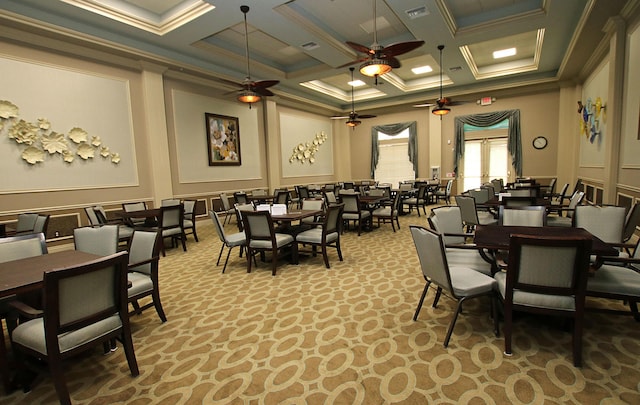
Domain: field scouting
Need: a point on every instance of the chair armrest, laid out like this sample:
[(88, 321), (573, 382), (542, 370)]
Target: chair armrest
[(134, 265), (25, 310), (463, 246)]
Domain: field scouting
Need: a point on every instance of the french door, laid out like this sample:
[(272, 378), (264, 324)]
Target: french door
[(485, 159)]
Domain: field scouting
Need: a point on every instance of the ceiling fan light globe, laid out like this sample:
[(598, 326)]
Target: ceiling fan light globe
[(441, 111), (375, 67), (353, 123), (249, 97)]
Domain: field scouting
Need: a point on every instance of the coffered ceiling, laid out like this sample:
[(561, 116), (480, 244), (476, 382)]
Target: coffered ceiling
[(302, 43)]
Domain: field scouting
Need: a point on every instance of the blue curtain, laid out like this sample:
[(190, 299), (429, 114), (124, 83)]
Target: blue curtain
[(392, 130), (514, 142)]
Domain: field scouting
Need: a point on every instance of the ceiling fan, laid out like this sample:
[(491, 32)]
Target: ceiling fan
[(379, 59), (252, 91), (441, 103), (353, 116)]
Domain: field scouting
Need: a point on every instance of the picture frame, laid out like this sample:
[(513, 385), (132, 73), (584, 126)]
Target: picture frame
[(223, 140)]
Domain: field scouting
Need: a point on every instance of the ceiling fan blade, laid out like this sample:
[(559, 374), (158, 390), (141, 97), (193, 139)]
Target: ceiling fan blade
[(263, 91), (393, 62), (353, 61), (424, 105), (367, 116), (457, 102), (339, 118), (360, 48), (265, 83), (401, 47)]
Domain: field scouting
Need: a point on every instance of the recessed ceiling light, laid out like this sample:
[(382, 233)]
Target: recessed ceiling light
[(356, 83), (503, 53), (421, 69)]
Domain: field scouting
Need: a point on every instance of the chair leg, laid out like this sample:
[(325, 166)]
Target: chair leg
[(437, 297), (274, 262), (422, 297), (508, 324), (58, 380), (577, 341), (339, 249), (195, 235), (250, 254), (183, 239), (155, 295), (127, 343), (227, 259), (220, 255), (326, 257), (453, 322), (4, 364)]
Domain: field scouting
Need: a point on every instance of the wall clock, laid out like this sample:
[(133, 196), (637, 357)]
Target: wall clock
[(540, 142)]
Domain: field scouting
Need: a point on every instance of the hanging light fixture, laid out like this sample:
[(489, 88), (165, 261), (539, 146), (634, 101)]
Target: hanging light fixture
[(376, 66), (353, 117), (441, 109)]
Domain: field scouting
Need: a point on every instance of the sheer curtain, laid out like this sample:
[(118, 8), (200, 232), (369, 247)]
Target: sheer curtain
[(391, 130), (485, 120)]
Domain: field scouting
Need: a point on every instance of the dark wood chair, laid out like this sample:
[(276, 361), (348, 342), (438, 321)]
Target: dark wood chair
[(143, 272), (548, 276), (171, 225), (353, 211), (189, 220), (328, 235), (262, 237), (84, 306), (389, 214)]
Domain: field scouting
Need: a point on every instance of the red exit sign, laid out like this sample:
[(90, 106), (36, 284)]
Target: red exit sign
[(485, 101)]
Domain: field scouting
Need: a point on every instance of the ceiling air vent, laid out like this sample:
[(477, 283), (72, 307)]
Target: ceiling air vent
[(455, 68), (309, 46), (417, 12)]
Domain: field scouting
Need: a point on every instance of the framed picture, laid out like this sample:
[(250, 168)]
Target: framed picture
[(223, 140)]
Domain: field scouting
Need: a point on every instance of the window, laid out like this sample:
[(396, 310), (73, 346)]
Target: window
[(393, 161)]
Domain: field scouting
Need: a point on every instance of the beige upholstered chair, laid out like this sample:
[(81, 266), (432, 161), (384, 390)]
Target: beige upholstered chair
[(558, 220), (86, 305), (353, 212), (26, 223), (316, 204), (227, 208), (132, 207), (388, 214), (533, 215), (470, 215), (171, 225), (168, 202), (546, 276), (447, 221), (189, 220), (632, 220), (14, 248), (420, 200), (125, 232), (328, 235), (262, 237), (444, 192), (606, 223), (143, 272), (101, 241), (458, 282), (230, 241)]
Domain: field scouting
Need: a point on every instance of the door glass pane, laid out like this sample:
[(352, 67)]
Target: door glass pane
[(472, 164), (498, 159)]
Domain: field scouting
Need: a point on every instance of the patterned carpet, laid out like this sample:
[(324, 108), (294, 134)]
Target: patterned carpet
[(341, 336)]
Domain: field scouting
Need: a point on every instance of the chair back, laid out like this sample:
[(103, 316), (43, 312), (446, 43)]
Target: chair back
[(351, 203), (480, 195), (448, 188), (313, 204), (241, 198), (631, 221), (563, 192), (376, 192), (101, 214), (189, 209), (606, 223), (20, 247), (431, 254), (225, 201), (490, 190), (405, 186), (258, 226), (552, 185), (497, 185), (168, 202), (41, 225), (26, 222), (330, 197), (467, 209), (576, 199), (258, 192), (281, 197), (303, 192), (578, 186), (101, 241), (240, 208), (555, 266), (91, 216), (447, 220), (144, 249), (217, 225), (79, 296), (330, 187), (171, 216), (134, 206), (534, 215), (348, 185), (332, 219), (523, 192)]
